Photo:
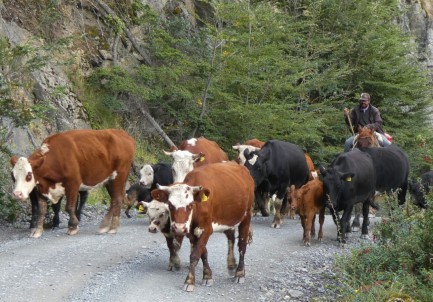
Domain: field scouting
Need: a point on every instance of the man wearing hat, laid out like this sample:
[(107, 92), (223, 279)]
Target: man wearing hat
[(364, 115)]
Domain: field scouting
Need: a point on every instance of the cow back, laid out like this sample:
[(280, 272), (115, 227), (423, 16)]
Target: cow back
[(231, 192), (211, 150), (281, 162), (391, 165), (162, 175), (86, 156)]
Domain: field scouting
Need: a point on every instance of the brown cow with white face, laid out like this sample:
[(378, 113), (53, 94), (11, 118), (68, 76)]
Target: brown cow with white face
[(194, 153), (214, 197), (73, 161)]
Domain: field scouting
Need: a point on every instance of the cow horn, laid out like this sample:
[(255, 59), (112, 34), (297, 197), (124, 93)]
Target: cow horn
[(167, 153)]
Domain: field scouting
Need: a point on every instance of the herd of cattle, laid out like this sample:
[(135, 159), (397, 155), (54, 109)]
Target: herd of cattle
[(202, 191)]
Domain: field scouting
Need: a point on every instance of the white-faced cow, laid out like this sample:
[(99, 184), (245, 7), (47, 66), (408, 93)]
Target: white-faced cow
[(194, 153), (214, 197), (251, 145), (73, 161), (349, 180), (307, 201), (157, 174), (159, 220), (419, 190), (278, 166)]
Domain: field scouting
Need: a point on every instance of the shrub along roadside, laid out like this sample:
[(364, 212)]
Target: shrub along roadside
[(400, 262)]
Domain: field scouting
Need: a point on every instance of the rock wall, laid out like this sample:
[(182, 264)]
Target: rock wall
[(17, 21)]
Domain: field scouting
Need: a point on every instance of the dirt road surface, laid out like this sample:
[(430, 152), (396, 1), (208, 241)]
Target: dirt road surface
[(132, 265)]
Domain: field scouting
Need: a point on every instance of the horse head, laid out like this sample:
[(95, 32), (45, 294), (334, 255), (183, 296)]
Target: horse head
[(366, 138)]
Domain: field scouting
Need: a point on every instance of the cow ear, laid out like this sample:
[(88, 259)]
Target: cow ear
[(36, 163), (202, 195), (159, 195), (13, 160), (236, 147)]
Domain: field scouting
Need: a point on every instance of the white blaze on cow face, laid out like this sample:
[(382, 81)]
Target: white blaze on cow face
[(241, 149), (146, 176), (183, 163), (253, 160), (24, 179), (55, 194)]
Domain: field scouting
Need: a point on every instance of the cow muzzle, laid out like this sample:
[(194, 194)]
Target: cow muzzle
[(19, 195), (179, 228)]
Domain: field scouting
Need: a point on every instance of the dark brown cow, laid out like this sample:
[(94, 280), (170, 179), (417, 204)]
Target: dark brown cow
[(194, 153), (214, 197), (307, 201), (74, 161)]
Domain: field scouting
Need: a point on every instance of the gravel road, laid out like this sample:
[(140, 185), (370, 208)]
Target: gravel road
[(132, 265)]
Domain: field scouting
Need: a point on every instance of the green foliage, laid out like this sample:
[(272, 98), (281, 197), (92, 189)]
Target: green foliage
[(400, 262), (9, 208)]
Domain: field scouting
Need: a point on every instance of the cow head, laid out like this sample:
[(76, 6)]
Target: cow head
[(146, 176), (244, 151), (158, 213), (23, 177), (180, 199), (183, 163), (334, 183), (258, 170), (296, 196)]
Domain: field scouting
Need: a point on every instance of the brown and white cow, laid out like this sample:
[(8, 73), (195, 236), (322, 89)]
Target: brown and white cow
[(159, 220), (194, 153), (214, 197), (307, 201), (73, 161)]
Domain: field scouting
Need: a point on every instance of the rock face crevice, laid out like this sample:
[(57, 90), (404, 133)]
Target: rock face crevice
[(92, 47)]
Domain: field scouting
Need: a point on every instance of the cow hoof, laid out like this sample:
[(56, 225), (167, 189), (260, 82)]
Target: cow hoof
[(103, 230), (355, 229), (112, 231), (207, 282), (240, 280), (307, 243), (188, 287), (73, 231), (276, 225), (36, 233)]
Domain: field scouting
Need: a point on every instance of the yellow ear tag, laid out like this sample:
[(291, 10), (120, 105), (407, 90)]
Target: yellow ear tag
[(349, 179), (202, 158), (204, 198)]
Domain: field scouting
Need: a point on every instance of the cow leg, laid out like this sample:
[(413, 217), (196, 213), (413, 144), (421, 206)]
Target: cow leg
[(174, 261), (56, 210), (35, 209), (313, 225), (71, 207), (198, 246), (365, 222), (207, 272), (83, 199), (277, 218), (309, 226), (344, 222), (231, 260), (356, 224), (261, 203), (244, 237), (111, 222), (401, 195), (321, 221), (42, 211)]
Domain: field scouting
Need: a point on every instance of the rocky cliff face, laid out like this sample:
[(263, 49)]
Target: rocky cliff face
[(19, 23)]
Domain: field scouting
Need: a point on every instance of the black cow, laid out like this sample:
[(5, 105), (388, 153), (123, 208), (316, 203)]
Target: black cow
[(392, 170), (278, 166), (419, 190), (56, 208), (157, 174), (349, 180), (134, 195)]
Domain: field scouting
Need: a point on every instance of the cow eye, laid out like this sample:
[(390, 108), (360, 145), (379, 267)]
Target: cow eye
[(29, 176)]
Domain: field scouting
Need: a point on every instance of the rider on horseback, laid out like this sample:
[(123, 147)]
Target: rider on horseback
[(364, 115)]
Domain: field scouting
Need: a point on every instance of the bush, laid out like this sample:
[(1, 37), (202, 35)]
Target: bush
[(400, 262)]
